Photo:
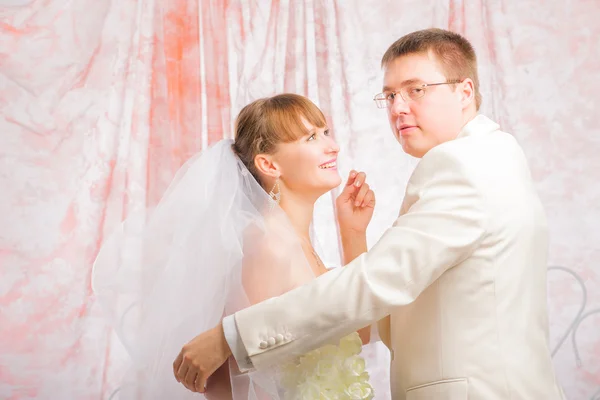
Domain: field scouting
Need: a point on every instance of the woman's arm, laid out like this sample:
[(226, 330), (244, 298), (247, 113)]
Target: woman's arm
[(219, 384)]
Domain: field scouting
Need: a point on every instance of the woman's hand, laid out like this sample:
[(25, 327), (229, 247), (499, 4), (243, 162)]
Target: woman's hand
[(355, 204)]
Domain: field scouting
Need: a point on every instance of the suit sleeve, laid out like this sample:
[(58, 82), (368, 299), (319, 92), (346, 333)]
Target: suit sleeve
[(234, 341), (442, 228)]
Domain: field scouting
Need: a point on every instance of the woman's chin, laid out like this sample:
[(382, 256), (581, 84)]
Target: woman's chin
[(333, 183), (324, 186)]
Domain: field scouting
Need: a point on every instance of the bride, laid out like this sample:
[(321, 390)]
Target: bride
[(233, 229)]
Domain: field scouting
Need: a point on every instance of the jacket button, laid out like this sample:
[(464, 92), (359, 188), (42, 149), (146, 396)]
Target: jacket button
[(279, 338), (263, 345), (288, 336), (271, 341)]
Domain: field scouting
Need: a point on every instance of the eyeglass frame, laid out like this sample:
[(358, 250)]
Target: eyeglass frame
[(421, 86)]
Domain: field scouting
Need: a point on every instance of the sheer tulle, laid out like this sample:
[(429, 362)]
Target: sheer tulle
[(215, 243)]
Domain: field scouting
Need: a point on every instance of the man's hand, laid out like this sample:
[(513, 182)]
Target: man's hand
[(200, 358)]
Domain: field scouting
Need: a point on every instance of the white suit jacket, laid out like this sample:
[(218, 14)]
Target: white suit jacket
[(461, 274)]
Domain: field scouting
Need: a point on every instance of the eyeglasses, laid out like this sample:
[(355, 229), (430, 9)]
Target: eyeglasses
[(408, 93)]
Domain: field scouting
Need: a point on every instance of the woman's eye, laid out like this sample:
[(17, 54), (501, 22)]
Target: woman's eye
[(312, 137), (326, 132)]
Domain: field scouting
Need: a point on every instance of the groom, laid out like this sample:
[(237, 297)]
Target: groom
[(458, 283)]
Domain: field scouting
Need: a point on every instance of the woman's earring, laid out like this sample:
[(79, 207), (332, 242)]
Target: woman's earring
[(275, 194)]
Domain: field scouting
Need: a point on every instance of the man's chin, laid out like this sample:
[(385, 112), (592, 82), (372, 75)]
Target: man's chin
[(416, 152)]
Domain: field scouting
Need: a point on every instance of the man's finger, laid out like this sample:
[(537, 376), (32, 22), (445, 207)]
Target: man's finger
[(200, 384), (190, 379), (177, 364), (182, 372)]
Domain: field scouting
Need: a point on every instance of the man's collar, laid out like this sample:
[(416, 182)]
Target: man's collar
[(478, 125)]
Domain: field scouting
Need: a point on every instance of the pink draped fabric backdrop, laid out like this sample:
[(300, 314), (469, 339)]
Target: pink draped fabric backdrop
[(102, 101)]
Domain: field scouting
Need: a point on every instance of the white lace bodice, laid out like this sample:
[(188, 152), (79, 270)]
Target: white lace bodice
[(332, 372)]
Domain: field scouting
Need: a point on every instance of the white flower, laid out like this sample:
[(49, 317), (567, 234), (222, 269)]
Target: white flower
[(309, 362), (327, 368), (355, 365), (351, 345), (291, 375), (364, 377), (359, 391), (308, 390), (329, 373), (328, 351), (333, 393)]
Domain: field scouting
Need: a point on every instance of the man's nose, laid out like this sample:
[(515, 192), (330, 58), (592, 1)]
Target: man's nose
[(399, 106)]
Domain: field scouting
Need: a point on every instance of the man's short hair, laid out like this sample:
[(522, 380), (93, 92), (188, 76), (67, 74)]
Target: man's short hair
[(453, 52)]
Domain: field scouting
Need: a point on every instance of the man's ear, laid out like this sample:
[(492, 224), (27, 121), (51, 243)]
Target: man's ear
[(467, 91), (266, 166)]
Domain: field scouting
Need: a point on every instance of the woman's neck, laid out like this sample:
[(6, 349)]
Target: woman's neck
[(300, 212)]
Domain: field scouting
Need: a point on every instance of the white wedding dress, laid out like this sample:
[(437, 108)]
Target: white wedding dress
[(215, 243)]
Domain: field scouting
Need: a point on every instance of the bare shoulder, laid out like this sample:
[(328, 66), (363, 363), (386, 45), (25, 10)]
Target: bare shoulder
[(273, 261)]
